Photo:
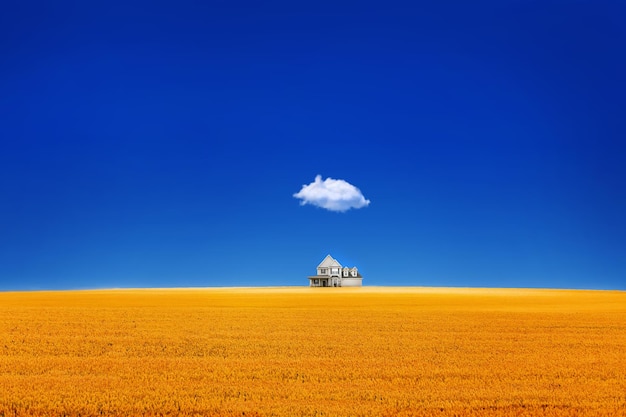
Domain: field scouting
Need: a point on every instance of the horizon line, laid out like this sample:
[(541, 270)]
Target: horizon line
[(277, 287)]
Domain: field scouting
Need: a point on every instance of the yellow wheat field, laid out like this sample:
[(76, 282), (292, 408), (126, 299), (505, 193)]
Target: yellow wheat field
[(313, 352)]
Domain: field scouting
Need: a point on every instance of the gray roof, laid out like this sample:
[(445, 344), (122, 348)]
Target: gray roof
[(328, 262)]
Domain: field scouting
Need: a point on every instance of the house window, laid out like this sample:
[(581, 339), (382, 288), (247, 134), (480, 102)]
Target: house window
[(322, 271)]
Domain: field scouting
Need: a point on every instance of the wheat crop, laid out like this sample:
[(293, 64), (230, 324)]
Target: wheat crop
[(313, 352)]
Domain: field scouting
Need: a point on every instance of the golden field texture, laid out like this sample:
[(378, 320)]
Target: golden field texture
[(313, 352)]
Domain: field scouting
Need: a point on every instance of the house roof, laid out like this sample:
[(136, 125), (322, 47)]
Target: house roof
[(328, 262)]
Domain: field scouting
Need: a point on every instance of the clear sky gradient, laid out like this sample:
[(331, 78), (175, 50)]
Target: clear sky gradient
[(160, 144)]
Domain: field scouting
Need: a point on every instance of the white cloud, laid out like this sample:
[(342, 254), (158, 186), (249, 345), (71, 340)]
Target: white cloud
[(331, 194)]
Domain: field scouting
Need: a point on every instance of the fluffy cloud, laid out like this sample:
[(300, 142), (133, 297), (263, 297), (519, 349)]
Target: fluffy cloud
[(331, 194)]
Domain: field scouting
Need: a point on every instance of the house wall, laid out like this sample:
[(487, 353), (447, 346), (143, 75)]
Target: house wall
[(352, 282)]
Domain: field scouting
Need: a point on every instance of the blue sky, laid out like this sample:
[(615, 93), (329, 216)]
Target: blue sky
[(160, 144)]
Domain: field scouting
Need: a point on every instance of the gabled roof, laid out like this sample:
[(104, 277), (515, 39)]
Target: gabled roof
[(328, 262)]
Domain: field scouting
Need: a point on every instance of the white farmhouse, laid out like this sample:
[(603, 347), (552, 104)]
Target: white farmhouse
[(330, 273)]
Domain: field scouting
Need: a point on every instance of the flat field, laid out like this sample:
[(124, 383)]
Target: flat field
[(313, 351)]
